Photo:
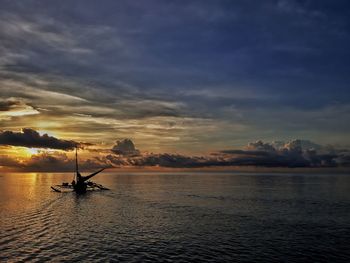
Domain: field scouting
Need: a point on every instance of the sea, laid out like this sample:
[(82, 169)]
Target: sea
[(177, 217)]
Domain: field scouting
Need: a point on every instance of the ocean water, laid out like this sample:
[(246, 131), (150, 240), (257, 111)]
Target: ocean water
[(177, 217)]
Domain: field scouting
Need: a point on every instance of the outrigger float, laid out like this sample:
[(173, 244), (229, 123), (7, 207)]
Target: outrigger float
[(80, 184)]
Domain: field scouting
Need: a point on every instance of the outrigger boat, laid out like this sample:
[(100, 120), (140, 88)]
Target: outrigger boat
[(80, 184)]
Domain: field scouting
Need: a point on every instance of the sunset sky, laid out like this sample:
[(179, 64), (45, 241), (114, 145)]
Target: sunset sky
[(191, 83)]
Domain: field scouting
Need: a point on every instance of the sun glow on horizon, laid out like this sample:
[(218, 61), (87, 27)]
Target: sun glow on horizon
[(33, 150)]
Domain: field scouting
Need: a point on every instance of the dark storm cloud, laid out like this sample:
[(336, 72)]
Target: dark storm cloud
[(31, 138)]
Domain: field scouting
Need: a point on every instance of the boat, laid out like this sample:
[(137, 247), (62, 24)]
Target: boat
[(80, 184)]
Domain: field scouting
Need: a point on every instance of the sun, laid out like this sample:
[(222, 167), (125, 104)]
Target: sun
[(33, 150)]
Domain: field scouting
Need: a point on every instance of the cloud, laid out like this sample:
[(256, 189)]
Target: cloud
[(170, 160), (60, 162), (45, 161), (13, 107), (47, 46), (8, 161), (40, 32), (343, 158), (260, 146), (6, 105), (125, 148), (297, 145), (292, 154), (114, 160), (296, 153), (31, 138), (51, 161)]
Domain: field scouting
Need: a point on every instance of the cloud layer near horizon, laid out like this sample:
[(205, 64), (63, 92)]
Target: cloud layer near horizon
[(293, 154)]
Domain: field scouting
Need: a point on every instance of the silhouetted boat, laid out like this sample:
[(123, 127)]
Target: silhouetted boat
[(80, 184)]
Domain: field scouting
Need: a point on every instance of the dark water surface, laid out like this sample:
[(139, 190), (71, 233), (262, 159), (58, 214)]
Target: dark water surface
[(182, 217)]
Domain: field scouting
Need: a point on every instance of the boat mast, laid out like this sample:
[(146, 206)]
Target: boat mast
[(76, 160)]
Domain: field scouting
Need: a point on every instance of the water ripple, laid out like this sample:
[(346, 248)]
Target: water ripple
[(183, 221)]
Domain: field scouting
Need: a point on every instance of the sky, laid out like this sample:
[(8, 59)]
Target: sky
[(174, 83)]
